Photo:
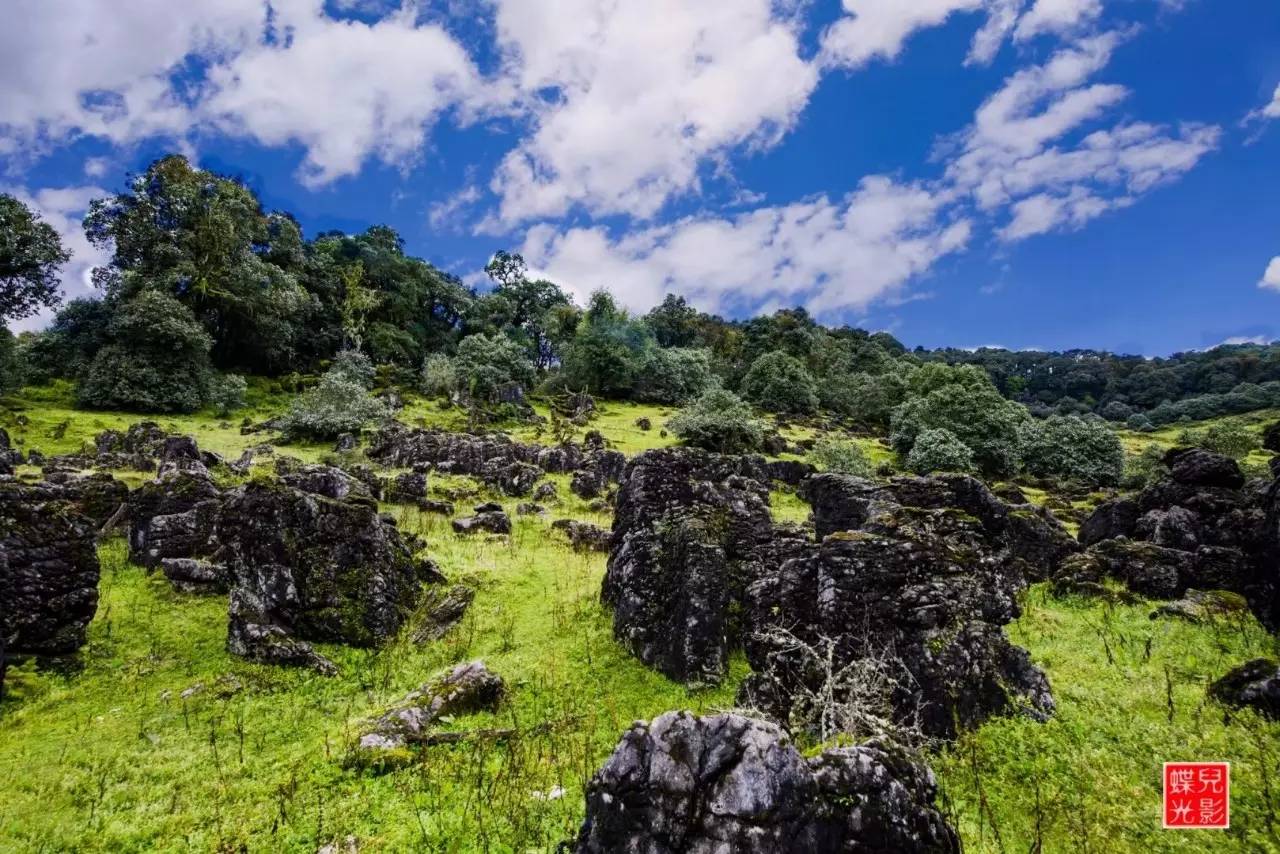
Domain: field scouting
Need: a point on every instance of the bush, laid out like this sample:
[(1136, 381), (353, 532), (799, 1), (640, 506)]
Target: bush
[(673, 375), (156, 359), (779, 383), (607, 349), (1224, 437), (1085, 450), (1117, 411), (721, 421), (12, 369), (974, 413), (337, 405), (438, 376), (226, 392), (487, 363), (1143, 469), (354, 367), (939, 450), (1139, 422), (843, 456)]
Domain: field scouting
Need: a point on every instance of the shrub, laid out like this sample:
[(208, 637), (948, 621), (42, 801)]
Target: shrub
[(1068, 446), (974, 413), (1139, 422), (1224, 437), (338, 404), (355, 367), (939, 450), (1117, 410), (226, 393), (487, 363), (156, 359), (719, 420), (844, 456), (1143, 469), (673, 375), (778, 382), (438, 376), (607, 349)]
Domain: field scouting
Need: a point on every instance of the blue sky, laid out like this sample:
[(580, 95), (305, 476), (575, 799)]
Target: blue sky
[(1020, 173)]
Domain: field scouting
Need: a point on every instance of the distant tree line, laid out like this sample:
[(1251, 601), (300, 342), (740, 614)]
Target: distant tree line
[(204, 285)]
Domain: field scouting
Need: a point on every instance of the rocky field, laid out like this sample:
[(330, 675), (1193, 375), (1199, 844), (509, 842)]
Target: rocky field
[(594, 640)]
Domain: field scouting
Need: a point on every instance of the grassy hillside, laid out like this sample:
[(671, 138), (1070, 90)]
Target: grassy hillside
[(162, 741)]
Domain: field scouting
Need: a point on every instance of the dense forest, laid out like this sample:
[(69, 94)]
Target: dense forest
[(204, 285)]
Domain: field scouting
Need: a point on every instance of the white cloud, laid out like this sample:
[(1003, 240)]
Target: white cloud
[(83, 66), (64, 209), (829, 255), (345, 90), (629, 98), (1001, 19), (879, 28), (1243, 339), (1058, 17), (1271, 278), (1017, 152)]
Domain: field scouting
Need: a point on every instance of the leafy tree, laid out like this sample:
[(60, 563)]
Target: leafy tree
[(778, 382), (438, 376), (719, 420), (845, 456), (939, 450), (975, 414), (12, 365), (487, 363), (67, 347), (355, 367), (156, 359), (226, 393), (673, 375), (31, 254), (204, 240), (674, 323), (868, 399), (357, 301), (1085, 450), (607, 349)]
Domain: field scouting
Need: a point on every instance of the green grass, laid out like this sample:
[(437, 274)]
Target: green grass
[(114, 759), (1131, 694), (1166, 437)]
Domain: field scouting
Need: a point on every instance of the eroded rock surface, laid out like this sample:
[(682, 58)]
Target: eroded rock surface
[(706, 785), (684, 523), (308, 568), (1255, 684), (48, 570)]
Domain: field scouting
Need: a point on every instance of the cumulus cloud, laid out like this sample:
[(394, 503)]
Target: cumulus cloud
[(1271, 278), (831, 255), (873, 29), (629, 99), (1058, 17), (345, 90), (104, 69), (1019, 153), (64, 208)]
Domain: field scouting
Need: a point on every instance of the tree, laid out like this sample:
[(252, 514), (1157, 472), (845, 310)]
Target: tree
[(439, 379), (487, 363), (720, 421), (1084, 450), (31, 255), (674, 323), (939, 450), (226, 393), (357, 302), (607, 349), (204, 240), (779, 383), (845, 456), (974, 414), (156, 359), (673, 375), (1223, 437)]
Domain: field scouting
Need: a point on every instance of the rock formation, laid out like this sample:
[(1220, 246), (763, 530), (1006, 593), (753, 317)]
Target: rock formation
[(705, 785), (48, 571)]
